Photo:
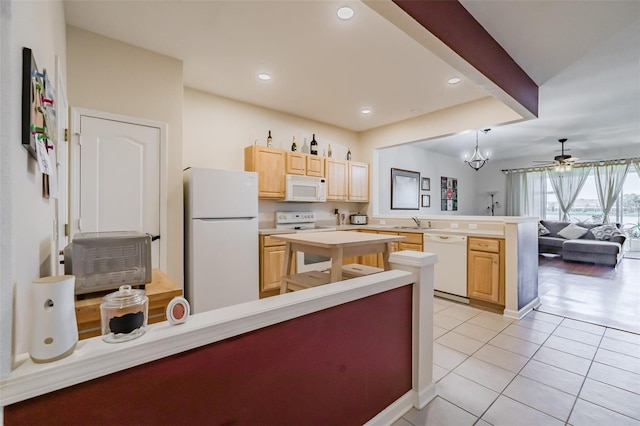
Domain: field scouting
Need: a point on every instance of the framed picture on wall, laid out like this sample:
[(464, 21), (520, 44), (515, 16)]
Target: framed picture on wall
[(426, 201), (405, 190), (426, 184)]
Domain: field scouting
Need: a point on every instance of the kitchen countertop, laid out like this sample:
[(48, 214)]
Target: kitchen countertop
[(394, 228)]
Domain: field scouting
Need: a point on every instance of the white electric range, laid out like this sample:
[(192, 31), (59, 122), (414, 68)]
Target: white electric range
[(304, 222)]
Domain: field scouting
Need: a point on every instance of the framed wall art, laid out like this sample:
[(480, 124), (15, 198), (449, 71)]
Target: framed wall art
[(405, 190), (448, 194), (426, 200), (426, 184), (32, 115)]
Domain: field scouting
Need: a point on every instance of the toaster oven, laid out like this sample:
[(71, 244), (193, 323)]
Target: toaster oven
[(106, 260)]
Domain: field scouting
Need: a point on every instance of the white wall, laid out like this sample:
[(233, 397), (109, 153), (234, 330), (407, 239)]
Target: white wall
[(432, 166), (217, 129), (111, 76), (27, 227)]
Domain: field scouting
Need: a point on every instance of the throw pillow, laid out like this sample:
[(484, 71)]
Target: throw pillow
[(572, 232), (605, 232), (542, 230)]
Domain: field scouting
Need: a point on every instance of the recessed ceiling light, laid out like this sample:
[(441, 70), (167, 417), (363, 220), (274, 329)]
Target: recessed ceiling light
[(365, 111), (264, 76), (345, 13), (454, 80)]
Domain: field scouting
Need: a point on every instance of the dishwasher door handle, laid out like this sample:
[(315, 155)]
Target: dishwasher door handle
[(447, 239)]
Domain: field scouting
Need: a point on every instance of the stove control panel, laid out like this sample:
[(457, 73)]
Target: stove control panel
[(295, 217)]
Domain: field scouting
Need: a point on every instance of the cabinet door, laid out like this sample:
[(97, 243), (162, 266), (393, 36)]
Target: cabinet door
[(296, 164), (315, 165), (358, 182), (272, 258), (269, 163), (337, 174), (483, 276)]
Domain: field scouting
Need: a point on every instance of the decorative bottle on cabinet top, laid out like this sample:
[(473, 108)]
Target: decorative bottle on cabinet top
[(329, 151), (269, 140), (314, 145), (305, 147), (294, 147), (349, 154)]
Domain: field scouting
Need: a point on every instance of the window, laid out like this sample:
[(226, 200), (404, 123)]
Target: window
[(587, 208)]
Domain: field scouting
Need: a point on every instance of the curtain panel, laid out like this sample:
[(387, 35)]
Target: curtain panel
[(567, 186), (526, 194), (609, 180)]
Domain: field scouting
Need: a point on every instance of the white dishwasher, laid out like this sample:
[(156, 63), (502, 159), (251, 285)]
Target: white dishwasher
[(450, 273)]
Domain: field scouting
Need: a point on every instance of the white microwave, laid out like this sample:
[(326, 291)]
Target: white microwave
[(305, 189)]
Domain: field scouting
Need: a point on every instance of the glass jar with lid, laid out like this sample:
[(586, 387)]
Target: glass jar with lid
[(123, 314)]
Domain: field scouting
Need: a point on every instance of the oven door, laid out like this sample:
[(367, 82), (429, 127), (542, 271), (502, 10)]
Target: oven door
[(311, 262)]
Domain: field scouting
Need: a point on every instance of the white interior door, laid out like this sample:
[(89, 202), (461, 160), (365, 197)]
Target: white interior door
[(119, 177)]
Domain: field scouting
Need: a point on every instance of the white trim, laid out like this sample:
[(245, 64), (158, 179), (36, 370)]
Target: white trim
[(394, 411), (522, 312), (424, 396), (94, 358), (74, 169)]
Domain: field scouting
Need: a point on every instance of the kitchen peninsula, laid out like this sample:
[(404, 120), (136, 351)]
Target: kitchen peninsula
[(514, 238)]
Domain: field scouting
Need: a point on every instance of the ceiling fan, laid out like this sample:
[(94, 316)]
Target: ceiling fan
[(560, 161)]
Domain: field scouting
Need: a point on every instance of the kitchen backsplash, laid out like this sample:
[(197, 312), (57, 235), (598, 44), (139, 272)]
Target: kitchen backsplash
[(324, 211)]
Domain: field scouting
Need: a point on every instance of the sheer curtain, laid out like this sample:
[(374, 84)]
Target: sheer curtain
[(609, 180), (526, 193), (567, 186)]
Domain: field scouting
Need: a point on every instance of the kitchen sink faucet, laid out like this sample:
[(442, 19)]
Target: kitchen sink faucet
[(416, 220)]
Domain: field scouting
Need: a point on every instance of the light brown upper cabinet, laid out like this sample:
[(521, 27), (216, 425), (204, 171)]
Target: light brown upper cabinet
[(304, 164), (269, 163)]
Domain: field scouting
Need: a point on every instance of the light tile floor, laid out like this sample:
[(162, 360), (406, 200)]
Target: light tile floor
[(541, 370)]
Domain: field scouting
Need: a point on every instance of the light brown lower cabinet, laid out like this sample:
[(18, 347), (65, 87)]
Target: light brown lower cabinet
[(485, 270), (271, 259)]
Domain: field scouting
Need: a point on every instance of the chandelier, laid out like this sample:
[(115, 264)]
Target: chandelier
[(477, 160)]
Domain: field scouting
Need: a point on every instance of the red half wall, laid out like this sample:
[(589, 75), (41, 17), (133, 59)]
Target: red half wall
[(339, 366)]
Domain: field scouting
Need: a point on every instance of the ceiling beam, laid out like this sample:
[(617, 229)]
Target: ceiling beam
[(454, 26)]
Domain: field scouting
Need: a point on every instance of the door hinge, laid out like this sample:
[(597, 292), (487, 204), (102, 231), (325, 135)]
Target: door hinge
[(66, 229), (66, 135)]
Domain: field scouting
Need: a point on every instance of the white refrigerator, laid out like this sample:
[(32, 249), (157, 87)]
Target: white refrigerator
[(221, 237)]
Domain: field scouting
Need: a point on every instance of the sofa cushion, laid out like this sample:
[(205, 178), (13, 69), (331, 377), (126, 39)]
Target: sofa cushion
[(542, 230), (550, 241), (572, 232), (605, 232), (591, 246)]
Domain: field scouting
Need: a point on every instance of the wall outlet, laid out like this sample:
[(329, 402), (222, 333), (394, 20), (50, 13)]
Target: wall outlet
[(454, 225), (473, 226), (382, 222)]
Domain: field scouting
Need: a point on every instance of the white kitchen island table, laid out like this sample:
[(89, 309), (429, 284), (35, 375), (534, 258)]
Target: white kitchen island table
[(336, 245)]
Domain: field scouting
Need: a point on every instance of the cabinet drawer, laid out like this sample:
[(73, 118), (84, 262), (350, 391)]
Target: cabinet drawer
[(410, 246), (484, 244), (412, 237), (270, 242)]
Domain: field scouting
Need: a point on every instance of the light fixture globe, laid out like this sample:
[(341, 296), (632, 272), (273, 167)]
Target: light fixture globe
[(477, 160)]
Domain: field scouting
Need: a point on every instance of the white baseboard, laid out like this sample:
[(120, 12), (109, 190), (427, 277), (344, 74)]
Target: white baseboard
[(394, 411), (520, 313)]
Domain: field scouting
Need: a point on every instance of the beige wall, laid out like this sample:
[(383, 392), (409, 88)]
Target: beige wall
[(27, 225), (217, 129), (107, 75)]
